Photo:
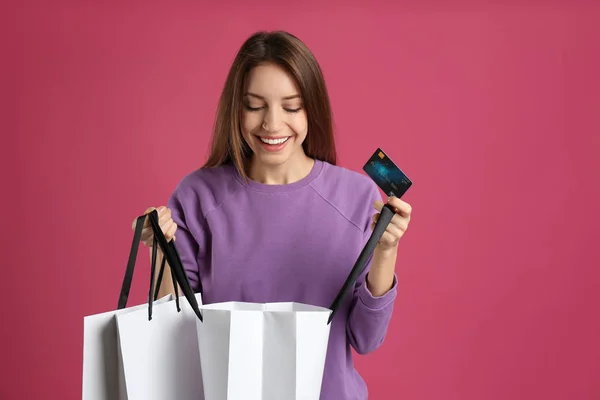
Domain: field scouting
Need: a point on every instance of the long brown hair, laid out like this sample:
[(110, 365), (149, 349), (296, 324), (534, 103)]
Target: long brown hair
[(290, 53)]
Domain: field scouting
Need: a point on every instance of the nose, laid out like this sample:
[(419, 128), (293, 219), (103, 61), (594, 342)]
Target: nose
[(272, 121)]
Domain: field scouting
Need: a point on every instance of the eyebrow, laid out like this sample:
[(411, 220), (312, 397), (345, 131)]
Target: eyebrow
[(294, 96)]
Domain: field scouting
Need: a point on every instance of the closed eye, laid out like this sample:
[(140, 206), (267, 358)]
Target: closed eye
[(290, 110), (254, 108)]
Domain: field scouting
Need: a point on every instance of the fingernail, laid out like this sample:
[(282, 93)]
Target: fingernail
[(161, 210)]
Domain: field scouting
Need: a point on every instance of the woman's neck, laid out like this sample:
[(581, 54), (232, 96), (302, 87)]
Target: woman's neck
[(289, 172)]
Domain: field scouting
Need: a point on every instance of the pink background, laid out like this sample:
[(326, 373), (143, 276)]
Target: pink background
[(491, 110)]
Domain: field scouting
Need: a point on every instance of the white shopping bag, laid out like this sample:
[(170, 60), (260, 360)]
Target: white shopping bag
[(102, 367), (160, 356), (115, 342), (266, 351), (271, 351)]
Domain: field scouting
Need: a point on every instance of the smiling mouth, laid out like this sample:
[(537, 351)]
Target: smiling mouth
[(274, 141)]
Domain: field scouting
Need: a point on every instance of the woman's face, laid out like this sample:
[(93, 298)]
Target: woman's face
[(274, 122)]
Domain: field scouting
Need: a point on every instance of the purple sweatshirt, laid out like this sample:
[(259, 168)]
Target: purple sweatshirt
[(294, 243)]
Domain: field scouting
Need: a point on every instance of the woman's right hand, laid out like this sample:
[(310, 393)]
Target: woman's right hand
[(167, 225)]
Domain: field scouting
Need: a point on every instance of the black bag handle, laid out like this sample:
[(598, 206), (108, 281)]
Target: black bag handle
[(387, 212), (170, 255), (159, 281)]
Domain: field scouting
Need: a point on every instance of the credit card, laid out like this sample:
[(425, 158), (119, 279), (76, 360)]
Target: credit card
[(387, 175)]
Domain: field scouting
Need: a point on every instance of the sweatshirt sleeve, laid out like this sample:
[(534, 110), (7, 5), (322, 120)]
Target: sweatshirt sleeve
[(189, 238), (369, 315)]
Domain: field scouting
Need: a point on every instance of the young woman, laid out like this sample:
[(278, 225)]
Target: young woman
[(270, 217)]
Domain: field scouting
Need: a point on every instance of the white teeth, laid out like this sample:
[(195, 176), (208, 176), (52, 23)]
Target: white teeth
[(274, 141)]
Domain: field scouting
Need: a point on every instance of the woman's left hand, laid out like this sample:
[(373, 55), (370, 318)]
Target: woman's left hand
[(398, 225)]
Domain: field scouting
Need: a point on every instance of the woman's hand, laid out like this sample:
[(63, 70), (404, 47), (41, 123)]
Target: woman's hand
[(167, 225), (398, 225)]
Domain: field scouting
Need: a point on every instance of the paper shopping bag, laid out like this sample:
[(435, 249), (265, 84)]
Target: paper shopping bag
[(158, 346), (102, 367), (256, 351), (251, 351)]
